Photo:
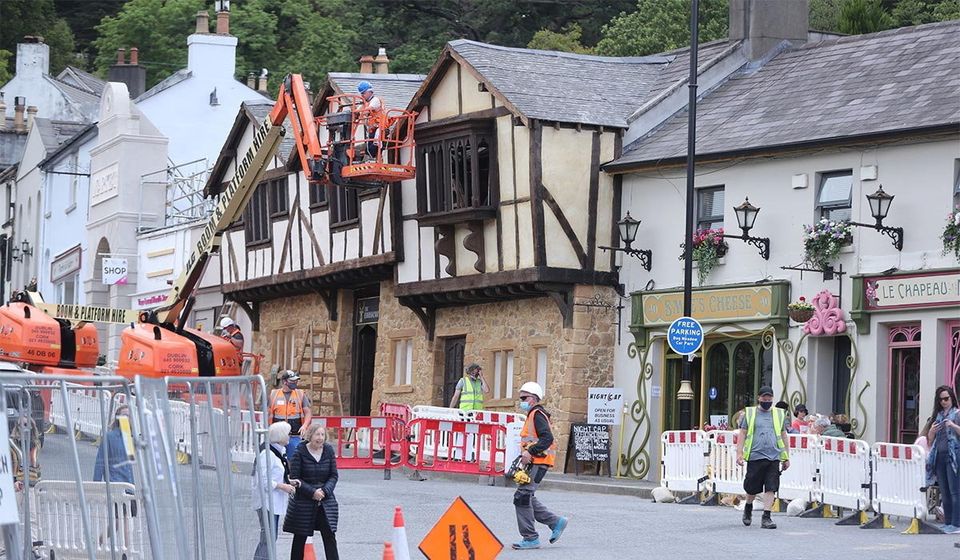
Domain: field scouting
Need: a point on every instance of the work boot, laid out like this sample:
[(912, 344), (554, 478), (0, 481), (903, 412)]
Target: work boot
[(747, 514), (766, 522)]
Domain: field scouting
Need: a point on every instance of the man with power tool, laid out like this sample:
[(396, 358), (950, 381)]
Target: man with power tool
[(538, 453)]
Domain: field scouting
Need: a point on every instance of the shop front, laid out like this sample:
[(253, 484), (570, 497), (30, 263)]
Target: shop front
[(914, 320)]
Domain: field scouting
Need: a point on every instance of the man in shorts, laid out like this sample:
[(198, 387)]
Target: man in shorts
[(762, 446)]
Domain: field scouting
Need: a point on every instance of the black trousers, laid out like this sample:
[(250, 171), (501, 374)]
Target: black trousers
[(326, 533)]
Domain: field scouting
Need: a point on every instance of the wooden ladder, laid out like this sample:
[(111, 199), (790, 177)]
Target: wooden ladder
[(319, 368)]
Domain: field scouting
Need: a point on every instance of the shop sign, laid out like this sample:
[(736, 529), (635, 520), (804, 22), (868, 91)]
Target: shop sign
[(114, 271), (144, 302), (708, 306), (604, 406), (368, 311), (912, 290), (65, 264)]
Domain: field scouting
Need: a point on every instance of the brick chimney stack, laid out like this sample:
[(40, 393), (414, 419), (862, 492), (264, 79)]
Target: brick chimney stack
[(366, 64), (262, 82), (132, 74), (203, 22), (3, 113), (121, 55), (134, 56), (31, 116), (223, 21), (252, 80), (381, 64), (19, 106)]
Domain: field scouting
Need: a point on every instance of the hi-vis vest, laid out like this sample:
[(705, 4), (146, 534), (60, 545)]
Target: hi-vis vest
[(778, 420), (528, 436), (282, 408), (471, 396)]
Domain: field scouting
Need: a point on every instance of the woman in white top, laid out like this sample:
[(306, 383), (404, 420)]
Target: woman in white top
[(275, 481)]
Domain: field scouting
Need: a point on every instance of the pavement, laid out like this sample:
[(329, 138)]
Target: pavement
[(609, 518)]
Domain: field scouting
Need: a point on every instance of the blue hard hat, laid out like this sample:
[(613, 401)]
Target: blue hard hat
[(364, 86)]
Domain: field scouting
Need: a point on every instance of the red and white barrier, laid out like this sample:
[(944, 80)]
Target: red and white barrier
[(365, 442), (462, 447), (845, 473), (500, 418), (683, 462), (726, 475), (801, 480), (899, 480)]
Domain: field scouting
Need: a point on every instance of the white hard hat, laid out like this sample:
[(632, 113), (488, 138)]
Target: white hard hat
[(226, 322), (533, 388)]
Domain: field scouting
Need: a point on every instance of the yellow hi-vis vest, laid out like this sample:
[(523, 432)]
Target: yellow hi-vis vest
[(471, 396), (778, 420), (528, 436)]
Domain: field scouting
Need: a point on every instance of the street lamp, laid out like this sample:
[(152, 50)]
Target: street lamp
[(627, 228), (222, 5), (746, 216), (880, 203), (25, 248)]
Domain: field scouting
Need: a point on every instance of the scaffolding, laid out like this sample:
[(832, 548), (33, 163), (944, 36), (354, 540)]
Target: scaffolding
[(183, 201)]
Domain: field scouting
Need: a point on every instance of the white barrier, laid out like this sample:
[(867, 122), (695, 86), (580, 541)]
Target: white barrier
[(60, 522), (84, 406), (726, 475), (683, 459), (441, 413), (245, 446), (496, 417), (899, 480), (845, 473), (801, 480)]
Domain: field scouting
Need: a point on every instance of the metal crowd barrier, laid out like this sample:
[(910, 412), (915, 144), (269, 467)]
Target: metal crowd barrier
[(726, 475), (365, 442), (899, 486), (460, 447), (799, 482), (683, 462)]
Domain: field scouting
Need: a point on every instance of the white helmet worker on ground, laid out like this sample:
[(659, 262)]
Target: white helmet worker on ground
[(230, 330), (533, 388)]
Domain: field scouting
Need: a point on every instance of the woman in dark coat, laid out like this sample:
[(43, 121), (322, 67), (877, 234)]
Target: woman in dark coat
[(313, 506)]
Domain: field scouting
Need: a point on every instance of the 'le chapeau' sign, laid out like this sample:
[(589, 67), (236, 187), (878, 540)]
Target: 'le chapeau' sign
[(935, 289)]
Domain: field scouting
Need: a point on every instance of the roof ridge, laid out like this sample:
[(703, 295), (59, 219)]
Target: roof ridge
[(649, 59), (375, 76), (910, 29)]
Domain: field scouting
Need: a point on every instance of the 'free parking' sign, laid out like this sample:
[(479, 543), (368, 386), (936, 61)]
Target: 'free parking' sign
[(685, 336)]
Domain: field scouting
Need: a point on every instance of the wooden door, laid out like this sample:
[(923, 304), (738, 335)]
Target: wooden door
[(452, 365)]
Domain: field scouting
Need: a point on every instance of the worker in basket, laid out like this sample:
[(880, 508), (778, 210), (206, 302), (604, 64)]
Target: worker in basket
[(373, 113)]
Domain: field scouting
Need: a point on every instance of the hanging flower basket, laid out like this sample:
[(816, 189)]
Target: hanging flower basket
[(800, 311), (951, 234), (823, 240), (708, 248)]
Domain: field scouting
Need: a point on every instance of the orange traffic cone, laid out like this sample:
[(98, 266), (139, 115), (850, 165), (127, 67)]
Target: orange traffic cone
[(400, 546), (308, 552), (388, 552)]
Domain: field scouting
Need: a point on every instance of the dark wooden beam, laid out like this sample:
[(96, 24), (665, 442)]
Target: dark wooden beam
[(330, 299), (473, 242), (564, 300), (593, 202), (447, 247), (426, 315), (536, 180), (565, 226)]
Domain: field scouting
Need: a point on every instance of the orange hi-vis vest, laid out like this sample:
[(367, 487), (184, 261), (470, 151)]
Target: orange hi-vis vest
[(282, 408), (528, 436)]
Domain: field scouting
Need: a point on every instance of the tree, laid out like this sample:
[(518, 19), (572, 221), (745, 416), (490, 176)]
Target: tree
[(824, 15), (158, 28), (5, 74), (83, 16), (863, 16), (661, 25), (36, 17), (567, 40)]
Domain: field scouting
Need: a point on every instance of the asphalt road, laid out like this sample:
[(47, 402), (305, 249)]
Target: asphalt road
[(601, 526)]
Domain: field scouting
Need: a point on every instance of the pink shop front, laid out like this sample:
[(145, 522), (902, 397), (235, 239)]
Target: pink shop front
[(909, 336)]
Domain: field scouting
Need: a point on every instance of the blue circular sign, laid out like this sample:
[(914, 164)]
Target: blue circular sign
[(713, 393), (685, 336)]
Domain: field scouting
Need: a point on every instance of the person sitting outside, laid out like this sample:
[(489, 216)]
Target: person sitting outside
[(801, 420), (822, 426)]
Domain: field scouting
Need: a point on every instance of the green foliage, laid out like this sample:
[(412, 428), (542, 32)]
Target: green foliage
[(661, 25), (947, 10), (157, 27), (83, 16), (863, 16), (824, 15), (567, 40), (36, 17), (5, 74)]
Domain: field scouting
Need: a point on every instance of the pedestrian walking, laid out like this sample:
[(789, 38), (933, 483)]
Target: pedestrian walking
[(761, 446), (944, 437), (539, 451), (291, 405), (274, 480), (470, 389), (113, 465), (313, 506)]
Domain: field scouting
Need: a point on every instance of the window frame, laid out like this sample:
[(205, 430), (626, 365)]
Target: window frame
[(340, 217), (824, 210), (317, 196), (713, 218), (257, 226), (504, 373), (285, 347), (278, 197), (541, 361), (402, 350)]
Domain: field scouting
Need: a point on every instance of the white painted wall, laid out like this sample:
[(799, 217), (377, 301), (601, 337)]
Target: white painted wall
[(28, 196), (33, 81)]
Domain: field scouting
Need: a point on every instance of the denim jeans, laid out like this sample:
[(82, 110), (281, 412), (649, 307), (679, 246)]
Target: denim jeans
[(949, 482), (292, 446), (266, 538)]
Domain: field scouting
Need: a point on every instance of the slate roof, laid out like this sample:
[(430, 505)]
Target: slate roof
[(566, 87), (83, 80), (89, 102), (65, 146), (879, 83), (166, 83), (396, 90), (11, 145), (54, 133), (260, 110)]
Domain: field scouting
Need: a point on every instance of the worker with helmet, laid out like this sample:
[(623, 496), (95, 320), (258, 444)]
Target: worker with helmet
[(291, 405), (230, 330), (538, 452), (373, 108)]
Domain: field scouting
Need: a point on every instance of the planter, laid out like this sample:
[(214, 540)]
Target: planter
[(800, 315)]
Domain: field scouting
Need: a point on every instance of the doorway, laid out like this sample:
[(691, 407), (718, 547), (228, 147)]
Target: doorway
[(364, 358), (671, 384), (453, 348), (904, 364), (736, 369), (841, 374)]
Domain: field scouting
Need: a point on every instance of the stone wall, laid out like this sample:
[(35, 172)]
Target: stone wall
[(577, 358)]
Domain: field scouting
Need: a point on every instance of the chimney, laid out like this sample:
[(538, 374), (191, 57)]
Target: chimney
[(19, 106), (252, 80), (763, 24), (31, 116), (223, 21), (33, 57), (366, 64), (3, 113), (133, 75), (203, 22), (381, 64), (262, 82), (121, 56)]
